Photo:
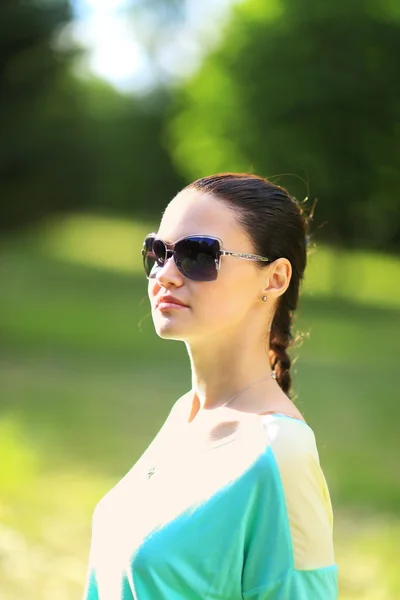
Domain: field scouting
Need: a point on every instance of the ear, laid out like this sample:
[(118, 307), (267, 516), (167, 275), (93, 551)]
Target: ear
[(279, 274)]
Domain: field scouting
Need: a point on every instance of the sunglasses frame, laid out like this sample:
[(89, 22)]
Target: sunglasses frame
[(170, 248)]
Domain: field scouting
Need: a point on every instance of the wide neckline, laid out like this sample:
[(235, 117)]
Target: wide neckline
[(200, 449), (194, 428), (233, 436)]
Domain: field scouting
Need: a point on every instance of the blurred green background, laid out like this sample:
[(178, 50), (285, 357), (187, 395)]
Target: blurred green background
[(108, 107)]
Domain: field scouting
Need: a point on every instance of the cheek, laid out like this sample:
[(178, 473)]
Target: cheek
[(152, 289), (221, 305)]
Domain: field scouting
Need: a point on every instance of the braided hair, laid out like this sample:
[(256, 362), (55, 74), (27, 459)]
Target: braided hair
[(278, 228)]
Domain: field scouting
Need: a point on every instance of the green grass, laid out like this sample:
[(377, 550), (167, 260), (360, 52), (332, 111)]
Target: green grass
[(85, 384)]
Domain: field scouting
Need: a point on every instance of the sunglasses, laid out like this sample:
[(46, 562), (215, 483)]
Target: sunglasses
[(197, 257)]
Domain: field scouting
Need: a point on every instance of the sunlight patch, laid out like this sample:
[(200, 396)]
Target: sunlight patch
[(112, 244)]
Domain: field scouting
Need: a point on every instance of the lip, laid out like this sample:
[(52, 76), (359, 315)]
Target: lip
[(170, 302)]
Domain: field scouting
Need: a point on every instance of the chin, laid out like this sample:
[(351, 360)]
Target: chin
[(169, 333), (167, 329)]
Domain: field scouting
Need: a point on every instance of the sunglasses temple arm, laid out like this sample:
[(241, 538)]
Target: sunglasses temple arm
[(244, 256)]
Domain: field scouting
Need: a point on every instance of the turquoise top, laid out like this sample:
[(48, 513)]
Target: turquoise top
[(248, 518)]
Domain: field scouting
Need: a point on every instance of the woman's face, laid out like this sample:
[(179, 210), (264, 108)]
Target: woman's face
[(214, 307)]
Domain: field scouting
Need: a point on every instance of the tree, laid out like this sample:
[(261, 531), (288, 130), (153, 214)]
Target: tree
[(308, 89), (68, 144), (39, 112)]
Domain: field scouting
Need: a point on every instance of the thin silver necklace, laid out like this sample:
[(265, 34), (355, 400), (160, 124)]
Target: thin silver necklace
[(152, 470)]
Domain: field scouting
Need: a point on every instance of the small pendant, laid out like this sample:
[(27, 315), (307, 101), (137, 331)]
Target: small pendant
[(151, 471)]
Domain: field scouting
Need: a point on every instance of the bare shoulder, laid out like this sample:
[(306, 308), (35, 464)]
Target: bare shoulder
[(279, 403), (169, 422), (288, 409), (179, 406), (175, 417)]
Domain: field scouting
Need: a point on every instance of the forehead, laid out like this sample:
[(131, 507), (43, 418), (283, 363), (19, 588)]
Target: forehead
[(192, 212)]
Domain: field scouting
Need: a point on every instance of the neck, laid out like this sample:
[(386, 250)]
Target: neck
[(224, 367)]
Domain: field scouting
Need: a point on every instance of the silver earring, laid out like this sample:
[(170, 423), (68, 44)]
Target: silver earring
[(264, 298)]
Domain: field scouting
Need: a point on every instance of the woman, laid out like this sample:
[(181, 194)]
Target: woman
[(229, 501)]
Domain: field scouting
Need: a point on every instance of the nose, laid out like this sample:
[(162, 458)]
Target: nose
[(169, 273)]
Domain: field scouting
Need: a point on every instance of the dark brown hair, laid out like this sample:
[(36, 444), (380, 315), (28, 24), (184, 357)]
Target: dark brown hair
[(278, 228)]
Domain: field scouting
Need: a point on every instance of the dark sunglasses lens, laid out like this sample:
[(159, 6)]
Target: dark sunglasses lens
[(149, 258), (153, 252), (160, 251), (197, 257)]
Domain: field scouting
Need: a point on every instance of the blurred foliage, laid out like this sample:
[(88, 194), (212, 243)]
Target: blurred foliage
[(67, 143), (132, 169), (40, 113), (310, 89)]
